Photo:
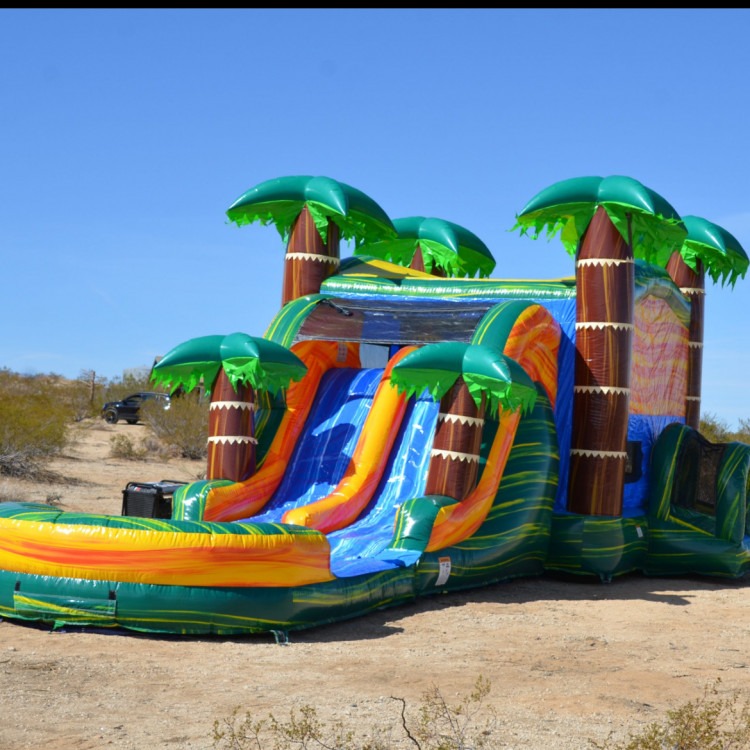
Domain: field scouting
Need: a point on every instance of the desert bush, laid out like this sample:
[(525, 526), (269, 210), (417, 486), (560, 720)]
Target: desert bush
[(708, 723), (33, 423), (444, 727), (468, 725), (719, 431), (121, 446), (743, 434), (83, 395), (714, 429), (302, 730), (148, 447), (711, 722), (184, 426), (155, 448)]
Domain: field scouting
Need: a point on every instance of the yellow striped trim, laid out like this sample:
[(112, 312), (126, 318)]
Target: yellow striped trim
[(455, 455), (598, 454), (601, 389), (692, 290), (606, 324), (446, 417), (244, 405), (313, 256), (231, 439), (603, 261)]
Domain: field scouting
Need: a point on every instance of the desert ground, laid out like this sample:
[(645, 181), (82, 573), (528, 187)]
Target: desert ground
[(568, 661)]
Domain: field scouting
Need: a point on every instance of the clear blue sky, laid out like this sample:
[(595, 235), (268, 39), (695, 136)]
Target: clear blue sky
[(126, 134)]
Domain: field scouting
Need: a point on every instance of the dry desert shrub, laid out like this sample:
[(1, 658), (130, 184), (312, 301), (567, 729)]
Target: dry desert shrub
[(709, 723), (467, 725)]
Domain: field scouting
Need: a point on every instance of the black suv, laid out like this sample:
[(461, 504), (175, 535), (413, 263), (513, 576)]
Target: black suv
[(128, 408)]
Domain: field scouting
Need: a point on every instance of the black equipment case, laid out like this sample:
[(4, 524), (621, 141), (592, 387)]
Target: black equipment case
[(149, 499)]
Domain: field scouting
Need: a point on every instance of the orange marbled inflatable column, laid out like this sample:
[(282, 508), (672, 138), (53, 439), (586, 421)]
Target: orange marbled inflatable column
[(692, 285), (454, 462), (231, 442), (309, 261), (605, 283)]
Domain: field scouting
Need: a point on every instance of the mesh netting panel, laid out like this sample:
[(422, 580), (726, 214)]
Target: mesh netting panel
[(696, 475)]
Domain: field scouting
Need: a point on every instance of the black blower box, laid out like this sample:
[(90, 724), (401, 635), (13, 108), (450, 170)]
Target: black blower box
[(149, 499)]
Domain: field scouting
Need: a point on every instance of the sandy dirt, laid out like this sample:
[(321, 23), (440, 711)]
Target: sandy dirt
[(568, 661)]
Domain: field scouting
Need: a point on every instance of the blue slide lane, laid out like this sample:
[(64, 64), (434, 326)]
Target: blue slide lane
[(327, 442), (354, 548)]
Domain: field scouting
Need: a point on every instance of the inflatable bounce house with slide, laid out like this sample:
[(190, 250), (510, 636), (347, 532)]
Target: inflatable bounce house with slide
[(409, 425)]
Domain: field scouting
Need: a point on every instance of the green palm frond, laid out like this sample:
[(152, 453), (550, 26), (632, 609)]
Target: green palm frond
[(488, 374), (280, 201), (448, 246), (720, 252), (643, 217), (258, 362)]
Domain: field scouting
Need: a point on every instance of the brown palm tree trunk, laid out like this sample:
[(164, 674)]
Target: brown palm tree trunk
[(454, 462), (605, 283), (417, 264), (309, 261), (231, 442), (693, 286)]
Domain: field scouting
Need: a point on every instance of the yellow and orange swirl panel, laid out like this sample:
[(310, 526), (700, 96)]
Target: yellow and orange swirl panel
[(164, 557), (534, 342)]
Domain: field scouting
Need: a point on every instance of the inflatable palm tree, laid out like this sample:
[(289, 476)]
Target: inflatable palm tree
[(604, 223), (232, 368), (311, 214), (436, 246), (707, 249), (468, 380)]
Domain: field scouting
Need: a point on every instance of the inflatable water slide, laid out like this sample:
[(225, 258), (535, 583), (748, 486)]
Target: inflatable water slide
[(409, 426)]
